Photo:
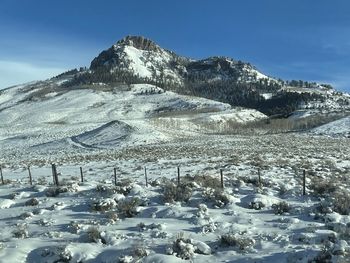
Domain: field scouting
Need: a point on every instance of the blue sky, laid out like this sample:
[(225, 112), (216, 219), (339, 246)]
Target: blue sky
[(290, 39)]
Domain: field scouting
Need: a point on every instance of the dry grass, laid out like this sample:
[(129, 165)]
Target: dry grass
[(341, 202), (218, 197), (281, 208), (103, 205), (32, 202), (236, 240), (174, 193), (128, 207)]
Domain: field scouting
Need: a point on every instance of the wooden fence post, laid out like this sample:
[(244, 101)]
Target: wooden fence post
[(54, 174), (115, 176), (146, 176), (304, 182), (178, 176), (30, 176), (222, 179), (81, 174), (2, 177)]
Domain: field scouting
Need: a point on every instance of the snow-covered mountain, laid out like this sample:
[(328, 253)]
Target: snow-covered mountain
[(145, 59), (156, 161), (136, 59), (137, 92), (141, 57)]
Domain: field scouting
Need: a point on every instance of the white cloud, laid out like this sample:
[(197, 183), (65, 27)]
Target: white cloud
[(16, 72)]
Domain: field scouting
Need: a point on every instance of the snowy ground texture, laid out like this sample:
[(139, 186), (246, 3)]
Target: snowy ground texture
[(98, 221), (191, 220), (339, 127)]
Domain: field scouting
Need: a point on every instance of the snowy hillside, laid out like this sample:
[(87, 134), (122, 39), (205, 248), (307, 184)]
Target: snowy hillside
[(43, 119), (336, 128), (135, 59)]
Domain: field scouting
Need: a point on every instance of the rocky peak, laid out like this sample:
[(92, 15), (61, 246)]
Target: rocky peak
[(139, 42), (117, 55)]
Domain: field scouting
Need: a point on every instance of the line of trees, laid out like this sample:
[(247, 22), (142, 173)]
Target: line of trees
[(204, 84)]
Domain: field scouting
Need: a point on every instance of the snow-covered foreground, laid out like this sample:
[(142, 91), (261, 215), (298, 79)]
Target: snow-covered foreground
[(96, 221), (134, 127)]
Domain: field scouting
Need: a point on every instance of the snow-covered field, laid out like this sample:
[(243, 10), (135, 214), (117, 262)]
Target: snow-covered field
[(103, 220), (96, 221)]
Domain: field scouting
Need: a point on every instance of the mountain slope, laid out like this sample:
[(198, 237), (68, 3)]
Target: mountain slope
[(141, 57), (137, 92), (47, 119), (339, 127), (136, 59)]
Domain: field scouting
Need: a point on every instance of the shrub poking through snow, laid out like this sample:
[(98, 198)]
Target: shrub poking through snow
[(236, 240), (209, 228), (7, 181), (74, 227), (323, 208), (281, 208), (185, 248), (105, 190), (218, 196), (41, 181), (143, 227), (14, 196), (322, 187), (202, 211), (123, 188), (256, 205), (173, 193), (26, 215), (103, 205), (333, 252), (56, 254), (140, 252), (254, 180), (69, 182), (324, 256), (95, 235), (128, 207), (341, 202), (182, 248), (155, 183), (203, 180), (55, 191), (112, 217), (342, 230), (32, 202), (20, 232)]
